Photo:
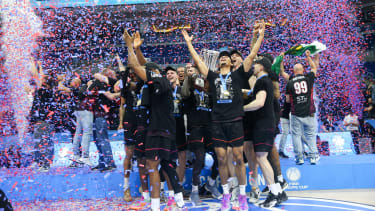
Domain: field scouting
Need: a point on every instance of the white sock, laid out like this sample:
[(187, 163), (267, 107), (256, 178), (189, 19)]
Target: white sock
[(278, 188), (225, 188), (254, 183), (211, 181), (275, 188), (171, 193), (194, 188), (280, 178), (179, 198), (146, 195), (162, 184), (242, 189), (126, 183), (234, 181), (155, 203)]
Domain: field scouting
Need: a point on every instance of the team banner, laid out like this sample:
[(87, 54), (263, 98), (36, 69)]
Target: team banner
[(297, 50)]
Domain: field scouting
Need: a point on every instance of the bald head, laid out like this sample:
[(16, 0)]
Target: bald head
[(298, 69)]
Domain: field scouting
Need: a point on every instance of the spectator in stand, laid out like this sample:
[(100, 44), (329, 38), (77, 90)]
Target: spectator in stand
[(351, 123), (330, 125), (370, 108)]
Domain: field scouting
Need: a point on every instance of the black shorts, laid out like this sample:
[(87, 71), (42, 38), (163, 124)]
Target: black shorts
[(199, 137), (226, 134), (263, 139), (248, 125), (140, 137), (129, 133), (180, 134), (160, 147)]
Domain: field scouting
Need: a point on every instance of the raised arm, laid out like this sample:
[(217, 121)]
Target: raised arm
[(132, 59), (316, 60), (137, 47), (255, 34), (282, 69), (201, 65), (120, 64), (313, 67), (250, 58)]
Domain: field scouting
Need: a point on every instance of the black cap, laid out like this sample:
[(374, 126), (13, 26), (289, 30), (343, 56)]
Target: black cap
[(170, 68), (235, 51), (267, 55), (265, 62), (151, 66), (224, 53)]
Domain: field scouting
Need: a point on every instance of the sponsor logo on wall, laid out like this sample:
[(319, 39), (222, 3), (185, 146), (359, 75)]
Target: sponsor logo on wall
[(294, 175)]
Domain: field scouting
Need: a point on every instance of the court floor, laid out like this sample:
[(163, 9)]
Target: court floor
[(327, 200)]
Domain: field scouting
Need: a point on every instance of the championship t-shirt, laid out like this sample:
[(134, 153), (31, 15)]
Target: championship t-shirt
[(198, 107), (226, 94)]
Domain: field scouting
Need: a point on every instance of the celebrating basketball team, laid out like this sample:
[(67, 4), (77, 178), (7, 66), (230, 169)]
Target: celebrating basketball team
[(231, 112)]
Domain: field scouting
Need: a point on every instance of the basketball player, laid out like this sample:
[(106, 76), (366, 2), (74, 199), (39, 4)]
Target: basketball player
[(160, 145), (227, 113)]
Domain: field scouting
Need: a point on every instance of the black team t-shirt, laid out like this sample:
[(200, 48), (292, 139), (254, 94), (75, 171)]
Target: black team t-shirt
[(162, 121), (300, 90), (132, 101), (198, 107), (102, 103), (265, 116), (178, 111), (227, 95)]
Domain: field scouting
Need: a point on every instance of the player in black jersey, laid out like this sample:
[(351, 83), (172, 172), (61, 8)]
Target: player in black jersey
[(264, 126), (133, 119), (198, 104), (300, 96), (178, 112), (227, 113), (160, 145)]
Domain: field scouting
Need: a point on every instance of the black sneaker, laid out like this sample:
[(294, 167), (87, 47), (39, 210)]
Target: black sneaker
[(283, 155), (96, 168), (284, 184), (109, 168), (271, 201), (75, 165), (282, 197), (265, 191)]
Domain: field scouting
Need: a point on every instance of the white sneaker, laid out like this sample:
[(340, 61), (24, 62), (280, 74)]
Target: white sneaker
[(43, 169), (74, 158), (85, 161), (234, 194), (34, 165)]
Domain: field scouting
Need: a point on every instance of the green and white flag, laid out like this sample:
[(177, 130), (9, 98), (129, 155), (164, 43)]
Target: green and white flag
[(297, 50)]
